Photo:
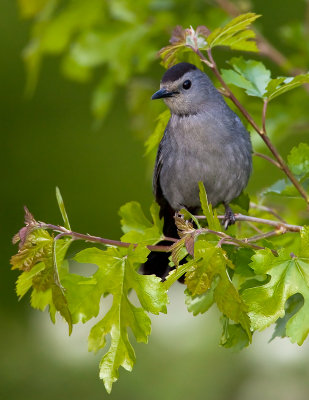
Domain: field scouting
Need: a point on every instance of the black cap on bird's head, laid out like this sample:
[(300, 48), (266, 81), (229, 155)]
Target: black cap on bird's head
[(186, 89), (171, 75), (177, 71)]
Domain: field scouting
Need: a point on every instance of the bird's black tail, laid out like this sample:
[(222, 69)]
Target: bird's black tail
[(157, 262)]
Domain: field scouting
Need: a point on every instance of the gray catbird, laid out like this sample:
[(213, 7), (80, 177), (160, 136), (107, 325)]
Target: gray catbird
[(204, 140)]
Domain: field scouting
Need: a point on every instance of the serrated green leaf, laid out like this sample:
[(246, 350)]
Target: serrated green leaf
[(137, 228), (250, 75), (211, 261), (233, 336), (211, 216), (62, 209), (235, 34), (292, 306), (116, 275), (155, 138), (24, 280), (37, 246), (288, 275), (199, 304), (198, 279), (83, 296), (281, 85), (38, 256)]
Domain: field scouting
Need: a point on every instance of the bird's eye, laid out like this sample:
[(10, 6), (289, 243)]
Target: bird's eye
[(187, 84)]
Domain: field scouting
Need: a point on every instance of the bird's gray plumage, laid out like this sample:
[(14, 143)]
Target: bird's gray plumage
[(203, 141)]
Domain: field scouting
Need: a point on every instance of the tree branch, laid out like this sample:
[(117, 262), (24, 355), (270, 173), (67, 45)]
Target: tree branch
[(280, 229), (96, 239)]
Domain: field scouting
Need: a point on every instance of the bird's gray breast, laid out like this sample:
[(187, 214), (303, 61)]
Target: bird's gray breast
[(207, 148)]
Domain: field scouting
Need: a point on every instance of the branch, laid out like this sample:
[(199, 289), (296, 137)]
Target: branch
[(268, 210), (279, 225), (96, 239), (280, 229), (271, 160)]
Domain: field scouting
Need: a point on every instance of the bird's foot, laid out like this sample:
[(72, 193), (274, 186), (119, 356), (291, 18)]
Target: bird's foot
[(229, 217)]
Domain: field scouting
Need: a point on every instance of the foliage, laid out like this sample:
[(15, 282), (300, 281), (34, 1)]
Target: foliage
[(254, 280)]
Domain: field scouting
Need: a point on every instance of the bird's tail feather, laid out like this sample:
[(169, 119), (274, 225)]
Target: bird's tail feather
[(157, 262)]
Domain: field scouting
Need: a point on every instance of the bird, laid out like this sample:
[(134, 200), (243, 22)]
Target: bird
[(204, 140)]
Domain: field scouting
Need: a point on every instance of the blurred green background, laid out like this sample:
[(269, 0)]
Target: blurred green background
[(87, 137)]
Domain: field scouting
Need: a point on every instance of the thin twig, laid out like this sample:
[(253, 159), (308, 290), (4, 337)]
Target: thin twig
[(254, 227), (264, 236), (271, 160), (276, 224), (268, 210)]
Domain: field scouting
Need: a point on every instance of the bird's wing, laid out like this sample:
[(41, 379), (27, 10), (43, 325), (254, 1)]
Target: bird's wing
[(166, 210)]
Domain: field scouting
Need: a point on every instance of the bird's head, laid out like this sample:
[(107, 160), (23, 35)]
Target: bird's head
[(186, 90)]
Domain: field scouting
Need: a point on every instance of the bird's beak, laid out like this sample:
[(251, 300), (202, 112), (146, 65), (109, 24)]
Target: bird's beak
[(160, 94)]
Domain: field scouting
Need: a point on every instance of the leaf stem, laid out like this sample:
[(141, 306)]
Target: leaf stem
[(265, 104)]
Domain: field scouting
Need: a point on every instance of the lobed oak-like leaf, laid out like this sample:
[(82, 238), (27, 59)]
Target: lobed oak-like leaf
[(288, 276), (211, 263), (137, 228), (117, 275)]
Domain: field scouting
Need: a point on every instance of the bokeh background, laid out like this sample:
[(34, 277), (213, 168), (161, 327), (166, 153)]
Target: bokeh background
[(80, 123)]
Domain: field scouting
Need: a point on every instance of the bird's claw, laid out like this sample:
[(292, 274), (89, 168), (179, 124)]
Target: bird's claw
[(229, 218)]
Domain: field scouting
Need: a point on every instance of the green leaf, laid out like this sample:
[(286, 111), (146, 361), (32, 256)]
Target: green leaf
[(211, 216), (235, 34), (281, 85), (233, 336), (292, 306), (61, 305), (241, 204), (201, 303), (211, 261), (116, 275), (155, 138), (62, 209), (24, 280), (298, 160), (288, 276), (249, 75), (137, 228), (36, 247), (83, 296)]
